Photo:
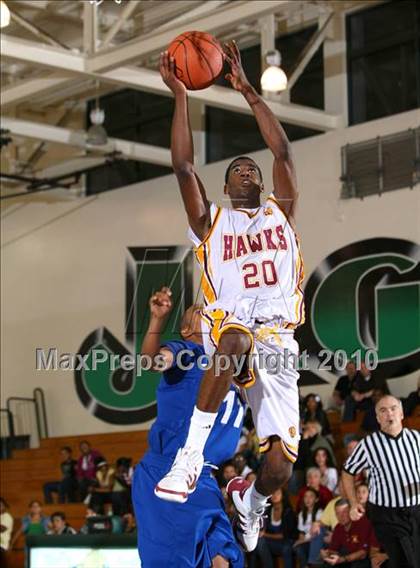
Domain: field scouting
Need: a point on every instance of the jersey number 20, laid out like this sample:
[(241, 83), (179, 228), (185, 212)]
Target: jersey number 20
[(261, 274)]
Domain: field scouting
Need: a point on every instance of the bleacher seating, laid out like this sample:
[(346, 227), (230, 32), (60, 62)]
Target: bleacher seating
[(23, 476)]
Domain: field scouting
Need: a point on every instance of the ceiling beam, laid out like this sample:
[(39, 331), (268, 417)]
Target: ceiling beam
[(90, 27), (130, 150), (117, 25), (40, 54), (309, 51), (148, 80), (224, 97), (35, 30), (29, 88), (189, 15), (234, 13)]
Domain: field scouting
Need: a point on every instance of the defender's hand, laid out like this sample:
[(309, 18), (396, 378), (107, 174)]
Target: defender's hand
[(167, 71), (161, 303), (237, 76)]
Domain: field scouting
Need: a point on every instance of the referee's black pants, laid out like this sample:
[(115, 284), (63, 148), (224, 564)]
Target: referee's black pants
[(398, 531)]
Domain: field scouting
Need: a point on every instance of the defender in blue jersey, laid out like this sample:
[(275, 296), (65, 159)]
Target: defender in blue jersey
[(197, 534)]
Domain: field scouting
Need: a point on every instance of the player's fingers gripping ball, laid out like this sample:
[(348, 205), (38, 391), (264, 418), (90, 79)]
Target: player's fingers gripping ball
[(198, 59)]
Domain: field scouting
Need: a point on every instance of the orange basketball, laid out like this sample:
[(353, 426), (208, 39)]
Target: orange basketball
[(198, 59)]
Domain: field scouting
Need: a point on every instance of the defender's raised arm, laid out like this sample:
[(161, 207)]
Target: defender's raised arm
[(284, 175), (182, 150)]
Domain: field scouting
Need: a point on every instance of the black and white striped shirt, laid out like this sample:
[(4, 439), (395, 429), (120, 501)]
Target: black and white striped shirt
[(394, 467)]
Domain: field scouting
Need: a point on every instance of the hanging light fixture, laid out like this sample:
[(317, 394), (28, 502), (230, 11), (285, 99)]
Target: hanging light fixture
[(273, 79), (96, 134), (4, 14)]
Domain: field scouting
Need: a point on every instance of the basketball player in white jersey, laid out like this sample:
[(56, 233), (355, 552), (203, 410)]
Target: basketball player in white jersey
[(251, 282)]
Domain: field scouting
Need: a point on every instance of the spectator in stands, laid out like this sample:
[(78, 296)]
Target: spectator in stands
[(344, 385), (96, 523), (129, 523), (310, 441), (6, 528), (350, 540), (229, 471), (310, 513), (412, 401), (67, 486), (280, 530), (241, 466), (121, 490), (101, 493), (313, 481), (362, 493), (59, 525), (34, 523), (321, 530), (329, 474), (360, 397), (350, 445), (86, 468), (314, 412)]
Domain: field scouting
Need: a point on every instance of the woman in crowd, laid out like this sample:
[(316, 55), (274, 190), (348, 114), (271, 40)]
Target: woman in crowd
[(102, 492), (329, 474), (278, 535), (310, 513), (312, 410), (33, 523)]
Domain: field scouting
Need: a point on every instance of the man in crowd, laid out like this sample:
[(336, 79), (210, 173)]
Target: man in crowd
[(67, 486), (350, 540), (59, 525), (344, 384)]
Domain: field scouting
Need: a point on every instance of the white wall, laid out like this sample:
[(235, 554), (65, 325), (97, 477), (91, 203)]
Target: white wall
[(63, 262)]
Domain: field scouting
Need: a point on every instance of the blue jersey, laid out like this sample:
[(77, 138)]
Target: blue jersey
[(176, 397), (191, 534)]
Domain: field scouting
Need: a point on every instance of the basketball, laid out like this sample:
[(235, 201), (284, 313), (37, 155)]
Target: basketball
[(198, 59)]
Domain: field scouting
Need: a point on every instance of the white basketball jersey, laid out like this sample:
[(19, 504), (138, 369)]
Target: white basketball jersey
[(251, 264)]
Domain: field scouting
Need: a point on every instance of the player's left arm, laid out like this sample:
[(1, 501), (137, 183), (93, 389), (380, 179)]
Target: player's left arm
[(160, 307), (284, 174)]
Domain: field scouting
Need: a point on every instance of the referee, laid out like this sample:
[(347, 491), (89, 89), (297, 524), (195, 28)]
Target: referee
[(392, 457)]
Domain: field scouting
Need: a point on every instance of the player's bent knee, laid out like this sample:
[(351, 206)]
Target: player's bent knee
[(219, 562), (234, 342)]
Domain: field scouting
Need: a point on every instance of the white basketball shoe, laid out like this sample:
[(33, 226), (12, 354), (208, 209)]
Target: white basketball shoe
[(248, 523), (182, 478)]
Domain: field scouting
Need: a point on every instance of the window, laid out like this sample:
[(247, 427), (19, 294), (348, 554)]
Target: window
[(139, 117), (383, 46), (381, 164), (230, 133)]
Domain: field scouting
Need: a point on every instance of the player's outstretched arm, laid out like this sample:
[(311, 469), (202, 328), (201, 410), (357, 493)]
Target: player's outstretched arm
[(160, 307), (182, 151), (284, 175)]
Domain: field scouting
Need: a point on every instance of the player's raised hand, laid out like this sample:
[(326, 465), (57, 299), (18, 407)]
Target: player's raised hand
[(161, 303), (237, 75), (167, 71)]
